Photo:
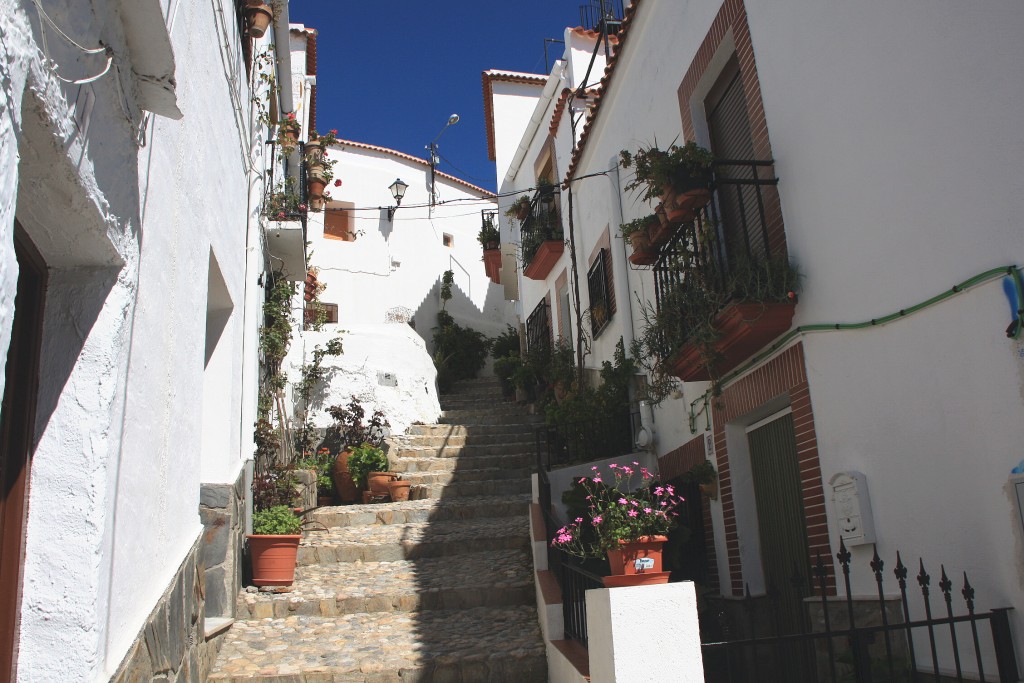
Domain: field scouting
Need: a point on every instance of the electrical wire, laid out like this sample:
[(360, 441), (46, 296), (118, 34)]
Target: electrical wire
[(1012, 271), (46, 17)]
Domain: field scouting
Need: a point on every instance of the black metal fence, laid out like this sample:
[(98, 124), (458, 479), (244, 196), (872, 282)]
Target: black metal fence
[(843, 639), (732, 227), (569, 443)]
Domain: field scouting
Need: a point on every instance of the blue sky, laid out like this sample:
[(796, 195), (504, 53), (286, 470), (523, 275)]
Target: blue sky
[(391, 73)]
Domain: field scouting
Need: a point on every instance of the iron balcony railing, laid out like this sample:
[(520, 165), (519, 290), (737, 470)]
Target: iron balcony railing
[(544, 222), (598, 14), (731, 232), (570, 443)]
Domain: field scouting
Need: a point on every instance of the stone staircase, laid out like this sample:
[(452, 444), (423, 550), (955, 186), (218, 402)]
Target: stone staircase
[(437, 589)]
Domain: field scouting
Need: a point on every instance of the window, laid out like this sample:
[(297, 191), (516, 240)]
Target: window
[(339, 222), (600, 300), (564, 322), (309, 314), (448, 240), (538, 330)]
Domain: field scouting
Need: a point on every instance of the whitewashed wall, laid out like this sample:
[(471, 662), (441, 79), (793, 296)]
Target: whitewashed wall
[(129, 232), (398, 264)]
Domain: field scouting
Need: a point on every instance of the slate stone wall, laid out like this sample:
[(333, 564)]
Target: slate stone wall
[(222, 511), (172, 646)]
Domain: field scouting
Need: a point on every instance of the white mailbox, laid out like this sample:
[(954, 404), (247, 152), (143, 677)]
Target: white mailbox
[(852, 506)]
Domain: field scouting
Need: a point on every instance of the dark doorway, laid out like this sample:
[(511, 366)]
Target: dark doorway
[(17, 426)]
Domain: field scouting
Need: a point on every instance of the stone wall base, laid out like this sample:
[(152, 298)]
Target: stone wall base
[(222, 512), (172, 645)]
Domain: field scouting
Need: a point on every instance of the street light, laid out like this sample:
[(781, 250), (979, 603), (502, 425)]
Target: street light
[(398, 189), (434, 159)]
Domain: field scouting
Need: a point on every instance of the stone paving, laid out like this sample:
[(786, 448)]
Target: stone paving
[(436, 590)]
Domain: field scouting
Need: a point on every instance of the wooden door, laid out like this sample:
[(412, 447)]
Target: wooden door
[(17, 427), (780, 514)]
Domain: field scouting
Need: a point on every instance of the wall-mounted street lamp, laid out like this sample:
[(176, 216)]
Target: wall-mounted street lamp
[(398, 189)]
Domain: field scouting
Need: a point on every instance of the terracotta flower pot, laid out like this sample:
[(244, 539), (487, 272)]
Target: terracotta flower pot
[(377, 482), (314, 152), (643, 254), (399, 490), (637, 557), (343, 483), (315, 188), (273, 559), (523, 211), (258, 16)]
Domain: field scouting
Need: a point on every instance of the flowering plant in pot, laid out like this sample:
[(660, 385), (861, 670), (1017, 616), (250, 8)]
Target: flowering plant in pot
[(288, 132), (626, 519), (274, 545), (350, 429), (284, 202), (519, 209)]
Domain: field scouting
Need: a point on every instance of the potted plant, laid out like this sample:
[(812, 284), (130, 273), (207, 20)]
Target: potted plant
[(679, 176), (637, 231), (284, 202), (627, 520), (520, 209), (369, 462), (258, 16), (316, 148), (704, 475), (274, 545), (488, 237), (349, 429), (288, 133)]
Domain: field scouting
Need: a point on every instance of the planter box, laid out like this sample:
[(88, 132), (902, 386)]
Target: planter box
[(745, 328), (545, 259), (492, 264)]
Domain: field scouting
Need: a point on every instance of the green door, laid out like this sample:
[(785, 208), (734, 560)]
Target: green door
[(780, 514)]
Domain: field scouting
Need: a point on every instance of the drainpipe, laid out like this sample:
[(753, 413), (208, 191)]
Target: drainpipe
[(646, 436)]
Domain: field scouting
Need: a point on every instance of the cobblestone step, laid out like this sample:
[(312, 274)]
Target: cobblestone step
[(462, 475), (391, 542), (409, 463), (518, 438), (485, 645), (492, 408), (463, 430), (481, 579), (425, 510), (476, 418), (490, 487), (401, 451)]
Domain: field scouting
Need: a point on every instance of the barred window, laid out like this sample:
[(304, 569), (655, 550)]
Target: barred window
[(600, 301), (538, 329)]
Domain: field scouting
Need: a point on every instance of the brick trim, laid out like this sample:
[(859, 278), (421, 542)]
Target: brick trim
[(733, 17), (785, 374)]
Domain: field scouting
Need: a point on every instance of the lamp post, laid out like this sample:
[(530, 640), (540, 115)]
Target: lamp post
[(398, 189), (434, 159)]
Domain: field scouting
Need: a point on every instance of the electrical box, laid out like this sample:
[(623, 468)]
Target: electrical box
[(852, 506)]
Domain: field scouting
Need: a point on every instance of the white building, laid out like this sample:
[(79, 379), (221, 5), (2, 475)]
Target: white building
[(869, 116), (132, 171), (382, 264)]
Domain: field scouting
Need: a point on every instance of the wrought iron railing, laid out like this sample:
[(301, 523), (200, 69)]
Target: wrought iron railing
[(544, 222), (861, 641), (725, 252), (570, 443), (538, 329), (600, 297), (597, 13)]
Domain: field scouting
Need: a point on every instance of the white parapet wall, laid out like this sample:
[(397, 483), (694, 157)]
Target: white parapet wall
[(636, 634)]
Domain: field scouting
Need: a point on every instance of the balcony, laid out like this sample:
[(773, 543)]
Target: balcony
[(541, 234), (723, 284)]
